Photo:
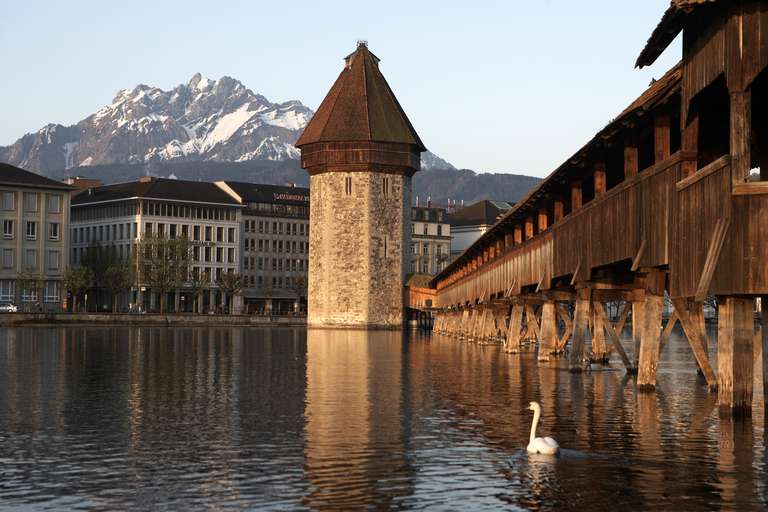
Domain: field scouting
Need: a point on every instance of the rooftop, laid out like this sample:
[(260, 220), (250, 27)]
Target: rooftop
[(480, 213), (258, 193), (360, 107), (157, 188), (12, 175)]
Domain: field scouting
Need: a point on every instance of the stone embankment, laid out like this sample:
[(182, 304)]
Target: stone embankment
[(190, 320)]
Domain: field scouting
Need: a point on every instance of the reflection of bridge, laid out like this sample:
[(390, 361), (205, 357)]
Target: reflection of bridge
[(660, 200)]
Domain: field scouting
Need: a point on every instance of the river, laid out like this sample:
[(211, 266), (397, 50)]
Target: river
[(248, 418)]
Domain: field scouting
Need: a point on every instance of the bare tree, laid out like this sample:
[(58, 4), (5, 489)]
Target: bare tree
[(117, 278), (31, 283), (76, 281), (164, 264), (198, 282), (230, 284)]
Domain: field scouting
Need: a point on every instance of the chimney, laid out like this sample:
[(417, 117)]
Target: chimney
[(146, 179), (429, 201), (417, 201)]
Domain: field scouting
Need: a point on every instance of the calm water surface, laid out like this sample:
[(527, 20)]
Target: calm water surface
[(242, 418)]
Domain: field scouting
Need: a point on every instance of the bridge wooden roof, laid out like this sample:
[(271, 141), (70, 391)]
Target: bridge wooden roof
[(671, 24), (656, 93), (360, 107)]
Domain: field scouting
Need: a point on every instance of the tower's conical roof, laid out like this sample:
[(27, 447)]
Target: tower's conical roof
[(360, 107)]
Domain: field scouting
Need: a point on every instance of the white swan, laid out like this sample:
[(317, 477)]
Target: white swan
[(545, 445)]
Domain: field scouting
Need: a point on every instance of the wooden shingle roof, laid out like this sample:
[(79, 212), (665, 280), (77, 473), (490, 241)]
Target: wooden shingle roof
[(360, 107)]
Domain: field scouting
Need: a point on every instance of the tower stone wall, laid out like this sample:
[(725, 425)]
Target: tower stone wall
[(358, 248)]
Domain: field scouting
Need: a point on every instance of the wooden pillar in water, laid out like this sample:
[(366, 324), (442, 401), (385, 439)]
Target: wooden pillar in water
[(548, 332), (638, 310), (764, 342), (515, 326), (650, 334), (735, 342), (580, 321), (599, 348)]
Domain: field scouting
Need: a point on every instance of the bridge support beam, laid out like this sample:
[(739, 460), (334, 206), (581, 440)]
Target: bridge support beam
[(650, 333), (580, 321), (599, 348), (548, 333), (514, 331), (735, 345), (638, 310)]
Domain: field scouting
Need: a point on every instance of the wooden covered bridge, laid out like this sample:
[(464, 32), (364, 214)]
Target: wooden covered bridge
[(670, 197)]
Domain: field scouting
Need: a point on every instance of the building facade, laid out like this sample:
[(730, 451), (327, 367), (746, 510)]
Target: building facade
[(34, 212), (361, 152), (275, 246), (470, 222), (430, 240), (119, 216)]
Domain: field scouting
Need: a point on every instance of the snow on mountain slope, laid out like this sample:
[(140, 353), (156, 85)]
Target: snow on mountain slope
[(202, 120)]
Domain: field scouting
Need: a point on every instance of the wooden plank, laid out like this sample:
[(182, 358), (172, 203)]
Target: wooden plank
[(753, 188), (515, 328), (532, 322), (548, 340), (668, 328), (649, 342), (697, 338), (764, 344), (638, 256), (713, 256), (661, 136), (580, 320), (735, 339), (565, 316), (599, 350)]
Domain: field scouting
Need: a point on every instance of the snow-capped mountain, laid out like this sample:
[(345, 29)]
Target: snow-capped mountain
[(202, 120)]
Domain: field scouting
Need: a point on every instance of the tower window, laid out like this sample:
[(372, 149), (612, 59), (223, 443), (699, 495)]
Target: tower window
[(348, 186), (385, 186), (385, 244)]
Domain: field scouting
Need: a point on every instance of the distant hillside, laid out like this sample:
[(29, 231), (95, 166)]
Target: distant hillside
[(439, 184)]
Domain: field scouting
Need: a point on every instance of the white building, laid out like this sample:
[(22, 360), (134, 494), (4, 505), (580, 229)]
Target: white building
[(430, 240), (34, 212), (119, 215), (275, 249), (470, 222)]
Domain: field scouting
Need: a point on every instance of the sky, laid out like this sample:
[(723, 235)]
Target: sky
[(505, 86)]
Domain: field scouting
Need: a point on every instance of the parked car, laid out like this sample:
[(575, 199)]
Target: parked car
[(8, 308)]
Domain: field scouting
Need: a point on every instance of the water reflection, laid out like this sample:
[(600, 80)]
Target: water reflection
[(142, 418)]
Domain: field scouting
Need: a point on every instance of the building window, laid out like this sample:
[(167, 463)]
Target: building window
[(261, 226), (54, 203), (30, 258), (424, 267), (51, 293), (386, 254), (8, 229), (208, 233), (426, 229), (231, 235), (53, 260), (7, 258), (196, 233), (7, 199), (439, 230), (385, 186), (348, 186), (425, 249), (219, 234), (439, 250), (230, 255), (207, 254), (414, 249), (30, 201), (31, 230), (219, 254), (7, 290), (148, 229), (53, 231)]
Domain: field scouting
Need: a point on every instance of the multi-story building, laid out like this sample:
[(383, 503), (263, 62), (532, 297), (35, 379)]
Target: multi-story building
[(430, 239), (34, 212), (468, 223), (275, 246), (120, 215)]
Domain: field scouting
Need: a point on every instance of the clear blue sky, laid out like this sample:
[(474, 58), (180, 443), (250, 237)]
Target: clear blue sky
[(505, 86)]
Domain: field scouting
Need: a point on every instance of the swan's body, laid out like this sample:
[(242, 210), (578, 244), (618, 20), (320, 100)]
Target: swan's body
[(545, 445)]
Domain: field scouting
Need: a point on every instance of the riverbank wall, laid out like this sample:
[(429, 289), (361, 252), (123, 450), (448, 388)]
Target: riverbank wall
[(188, 320)]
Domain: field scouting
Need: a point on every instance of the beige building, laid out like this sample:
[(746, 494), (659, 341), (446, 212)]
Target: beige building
[(34, 212), (275, 246), (470, 222), (430, 240), (119, 215)]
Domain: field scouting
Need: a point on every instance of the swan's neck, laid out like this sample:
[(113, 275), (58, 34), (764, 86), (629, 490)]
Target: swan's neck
[(536, 415)]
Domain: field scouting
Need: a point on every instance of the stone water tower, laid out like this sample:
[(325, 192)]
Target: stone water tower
[(361, 152)]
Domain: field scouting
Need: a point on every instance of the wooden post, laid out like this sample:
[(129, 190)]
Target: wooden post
[(576, 197), (580, 320), (735, 339), (638, 310), (518, 234), (661, 136), (599, 349), (741, 121), (548, 339), (631, 159), (693, 326), (614, 337), (650, 335), (568, 321), (532, 323), (764, 343), (528, 228), (542, 220), (690, 144), (599, 177), (515, 326), (558, 209)]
